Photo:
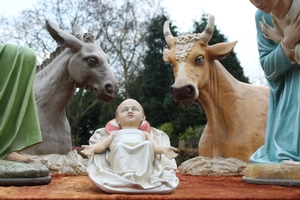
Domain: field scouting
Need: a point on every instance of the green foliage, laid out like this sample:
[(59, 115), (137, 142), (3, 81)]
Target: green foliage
[(167, 128), (191, 136), (156, 77), (134, 86), (107, 111), (81, 110), (84, 122), (185, 154)]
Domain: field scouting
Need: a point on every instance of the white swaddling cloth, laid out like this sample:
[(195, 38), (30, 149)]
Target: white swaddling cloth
[(130, 165)]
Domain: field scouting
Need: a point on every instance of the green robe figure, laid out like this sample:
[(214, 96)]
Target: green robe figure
[(19, 124)]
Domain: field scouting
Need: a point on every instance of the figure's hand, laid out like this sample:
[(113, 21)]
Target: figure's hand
[(169, 152), (292, 30), (271, 33), (88, 150)]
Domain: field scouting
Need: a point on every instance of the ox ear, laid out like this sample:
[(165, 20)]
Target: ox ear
[(166, 53), (63, 38), (220, 51)]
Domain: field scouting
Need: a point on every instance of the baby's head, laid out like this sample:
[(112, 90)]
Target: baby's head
[(130, 114)]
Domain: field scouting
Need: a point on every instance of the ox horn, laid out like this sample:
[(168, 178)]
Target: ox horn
[(206, 35), (167, 33)]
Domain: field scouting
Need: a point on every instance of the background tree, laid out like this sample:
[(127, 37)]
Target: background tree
[(160, 108), (179, 120), (131, 33), (119, 27), (157, 76)]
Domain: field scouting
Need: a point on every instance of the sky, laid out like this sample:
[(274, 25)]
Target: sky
[(233, 18)]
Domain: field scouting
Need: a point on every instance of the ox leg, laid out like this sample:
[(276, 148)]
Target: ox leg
[(205, 146)]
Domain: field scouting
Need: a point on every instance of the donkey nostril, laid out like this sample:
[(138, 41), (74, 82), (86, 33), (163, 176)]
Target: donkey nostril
[(109, 88)]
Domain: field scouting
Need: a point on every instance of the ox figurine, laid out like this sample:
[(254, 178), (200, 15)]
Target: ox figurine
[(236, 112), (79, 62)]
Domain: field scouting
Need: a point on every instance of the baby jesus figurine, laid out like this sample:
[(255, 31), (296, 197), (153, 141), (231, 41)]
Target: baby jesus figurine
[(133, 158)]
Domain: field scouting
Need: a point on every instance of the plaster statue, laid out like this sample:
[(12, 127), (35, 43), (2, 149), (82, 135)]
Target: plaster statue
[(19, 125), (78, 62), (130, 157), (276, 33), (236, 112), (270, 164)]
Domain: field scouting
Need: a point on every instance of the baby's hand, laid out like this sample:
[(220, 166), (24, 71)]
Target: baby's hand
[(271, 33), (169, 152), (87, 151)]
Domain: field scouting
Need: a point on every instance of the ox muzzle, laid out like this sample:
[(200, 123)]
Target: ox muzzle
[(183, 93)]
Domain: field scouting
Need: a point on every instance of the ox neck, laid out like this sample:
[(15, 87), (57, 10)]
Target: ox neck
[(220, 95)]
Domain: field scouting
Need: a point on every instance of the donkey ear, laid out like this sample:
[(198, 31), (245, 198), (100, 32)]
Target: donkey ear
[(78, 32), (63, 38)]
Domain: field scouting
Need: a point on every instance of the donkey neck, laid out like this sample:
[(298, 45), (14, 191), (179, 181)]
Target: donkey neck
[(52, 85)]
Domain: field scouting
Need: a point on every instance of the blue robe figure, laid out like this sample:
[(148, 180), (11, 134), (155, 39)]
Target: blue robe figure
[(282, 140)]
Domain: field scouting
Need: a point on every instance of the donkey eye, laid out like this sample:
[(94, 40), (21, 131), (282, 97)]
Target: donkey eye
[(199, 60), (91, 62)]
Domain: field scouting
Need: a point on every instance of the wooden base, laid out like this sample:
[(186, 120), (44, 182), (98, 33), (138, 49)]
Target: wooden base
[(273, 174), (25, 181), (23, 174)]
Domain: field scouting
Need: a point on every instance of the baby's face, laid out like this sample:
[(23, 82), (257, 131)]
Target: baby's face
[(130, 114)]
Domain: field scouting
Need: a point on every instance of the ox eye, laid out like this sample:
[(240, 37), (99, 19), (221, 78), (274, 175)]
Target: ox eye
[(199, 60), (91, 62)]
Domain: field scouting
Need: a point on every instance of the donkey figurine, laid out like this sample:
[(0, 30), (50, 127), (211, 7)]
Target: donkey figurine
[(78, 62)]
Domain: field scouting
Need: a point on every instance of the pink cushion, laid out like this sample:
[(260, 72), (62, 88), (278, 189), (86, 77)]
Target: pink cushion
[(112, 125)]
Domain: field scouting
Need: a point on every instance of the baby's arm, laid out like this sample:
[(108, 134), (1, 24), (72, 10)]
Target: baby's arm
[(98, 147), (161, 149)]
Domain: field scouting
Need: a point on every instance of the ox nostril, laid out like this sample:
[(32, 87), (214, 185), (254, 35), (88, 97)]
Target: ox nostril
[(174, 91), (190, 90), (183, 93)]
